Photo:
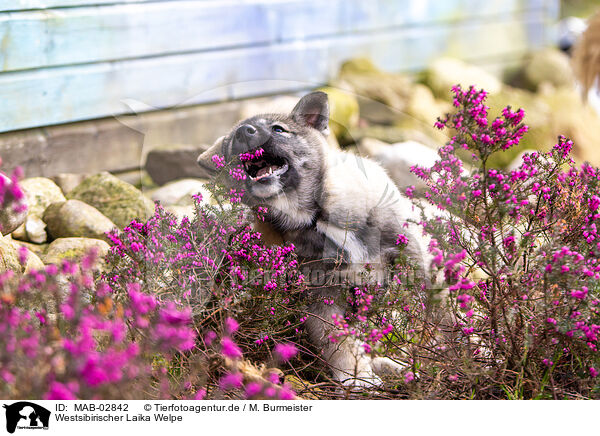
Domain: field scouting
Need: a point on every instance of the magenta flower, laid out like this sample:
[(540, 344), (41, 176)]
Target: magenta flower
[(230, 349), (59, 391), (285, 351), (231, 381), (231, 325)]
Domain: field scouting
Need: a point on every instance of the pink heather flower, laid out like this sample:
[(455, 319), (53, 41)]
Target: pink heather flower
[(285, 351), (209, 337), (23, 253), (408, 377), (580, 294), (200, 395), (270, 392), (593, 372), (59, 391), (402, 240), (231, 381), (230, 349), (253, 389), (218, 161), (285, 393), (231, 325), (551, 321)]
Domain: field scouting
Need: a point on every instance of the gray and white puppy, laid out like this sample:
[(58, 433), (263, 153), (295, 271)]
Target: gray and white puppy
[(338, 209)]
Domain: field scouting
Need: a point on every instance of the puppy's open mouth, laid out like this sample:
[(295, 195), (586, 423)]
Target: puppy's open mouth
[(264, 166)]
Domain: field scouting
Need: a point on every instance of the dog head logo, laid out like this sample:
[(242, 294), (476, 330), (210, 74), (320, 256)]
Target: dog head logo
[(24, 414)]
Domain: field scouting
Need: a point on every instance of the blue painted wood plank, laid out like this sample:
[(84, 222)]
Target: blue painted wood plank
[(20, 5), (48, 38), (63, 94)]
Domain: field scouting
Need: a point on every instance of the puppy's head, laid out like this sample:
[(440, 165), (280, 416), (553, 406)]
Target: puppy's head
[(277, 153)]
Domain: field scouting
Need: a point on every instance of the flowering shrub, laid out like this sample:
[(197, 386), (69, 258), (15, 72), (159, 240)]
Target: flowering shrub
[(11, 194), (57, 344), (216, 264), (520, 251)]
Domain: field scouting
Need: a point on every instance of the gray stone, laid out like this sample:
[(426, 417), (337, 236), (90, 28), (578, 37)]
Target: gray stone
[(180, 192), (549, 66), (443, 73), (68, 181), (74, 249), (33, 262), (9, 259), (397, 159), (39, 192), (118, 201), (176, 162), (35, 230), (75, 218), (181, 211), (9, 218)]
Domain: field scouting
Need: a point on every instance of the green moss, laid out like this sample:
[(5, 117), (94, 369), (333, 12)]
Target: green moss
[(116, 199)]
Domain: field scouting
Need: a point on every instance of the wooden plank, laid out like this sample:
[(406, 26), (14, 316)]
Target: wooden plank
[(57, 95), (20, 5), (48, 38)]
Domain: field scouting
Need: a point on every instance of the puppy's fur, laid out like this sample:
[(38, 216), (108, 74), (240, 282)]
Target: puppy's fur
[(337, 208)]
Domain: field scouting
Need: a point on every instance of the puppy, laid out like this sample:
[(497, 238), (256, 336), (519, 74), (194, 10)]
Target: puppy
[(341, 212)]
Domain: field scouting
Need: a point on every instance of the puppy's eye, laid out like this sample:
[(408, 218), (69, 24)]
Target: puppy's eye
[(278, 129)]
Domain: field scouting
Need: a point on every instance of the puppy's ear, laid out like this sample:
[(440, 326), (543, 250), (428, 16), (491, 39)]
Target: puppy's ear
[(205, 158), (313, 110)]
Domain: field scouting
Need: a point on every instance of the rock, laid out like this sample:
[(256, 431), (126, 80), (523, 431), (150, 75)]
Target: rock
[(11, 219), (68, 181), (549, 66), (370, 147), (38, 249), (74, 249), (381, 96), (180, 192), (35, 230), (423, 106), (74, 218), (138, 178), (40, 192), (118, 201), (393, 134), (343, 111), (181, 211), (571, 117), (9, 259), (33, 262), (444, 73), (175, 162), (397, 159), (549, 113)]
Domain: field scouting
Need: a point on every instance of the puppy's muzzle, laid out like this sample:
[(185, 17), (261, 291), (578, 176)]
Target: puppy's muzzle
[(248, 137)]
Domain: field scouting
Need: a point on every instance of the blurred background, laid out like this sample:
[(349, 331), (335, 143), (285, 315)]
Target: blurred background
[(138, 87)]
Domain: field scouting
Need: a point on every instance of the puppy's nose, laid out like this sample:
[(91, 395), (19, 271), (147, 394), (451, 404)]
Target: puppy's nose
[(245, 132)]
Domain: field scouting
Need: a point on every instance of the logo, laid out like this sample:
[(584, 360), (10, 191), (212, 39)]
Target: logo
[(26, 415)]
